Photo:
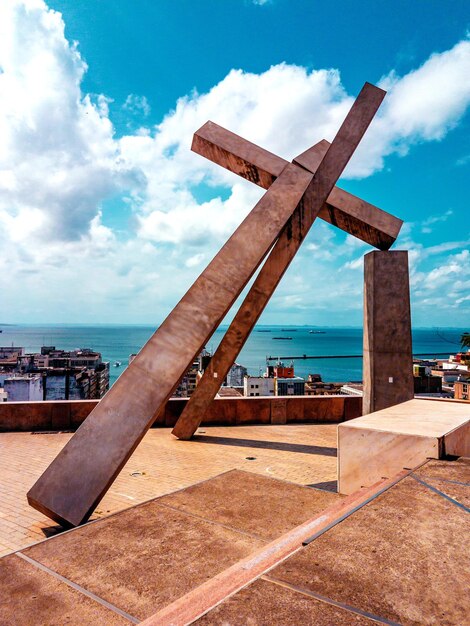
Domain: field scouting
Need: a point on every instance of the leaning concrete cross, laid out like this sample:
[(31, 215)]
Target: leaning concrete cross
[(356, 216), (276, 264), (78, 478)]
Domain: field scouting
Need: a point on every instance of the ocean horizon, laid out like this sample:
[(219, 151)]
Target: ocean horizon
[(117, 341)]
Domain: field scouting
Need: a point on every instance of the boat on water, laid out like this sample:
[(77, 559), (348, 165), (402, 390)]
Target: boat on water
[(282, 338), (117, 363), (317, 332)]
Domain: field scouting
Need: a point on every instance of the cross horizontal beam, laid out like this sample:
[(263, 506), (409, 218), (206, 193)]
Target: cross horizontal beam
[(342, 209)]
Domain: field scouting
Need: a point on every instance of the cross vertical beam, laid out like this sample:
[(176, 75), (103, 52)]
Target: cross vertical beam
[(276, 264)]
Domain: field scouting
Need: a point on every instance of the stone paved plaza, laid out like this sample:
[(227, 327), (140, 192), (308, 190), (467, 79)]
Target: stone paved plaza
[(303, 454)]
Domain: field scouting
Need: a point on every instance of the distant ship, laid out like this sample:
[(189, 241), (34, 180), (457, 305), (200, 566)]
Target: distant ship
[(282, 338), (317, 332), (117, 363)]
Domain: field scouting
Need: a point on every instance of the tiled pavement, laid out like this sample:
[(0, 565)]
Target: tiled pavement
[(303, 454)]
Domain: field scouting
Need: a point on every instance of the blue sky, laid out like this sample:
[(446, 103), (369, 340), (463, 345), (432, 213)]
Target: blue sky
[(106, 216)]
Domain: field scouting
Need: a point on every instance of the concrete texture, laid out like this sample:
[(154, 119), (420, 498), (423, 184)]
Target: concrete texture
[(263, 507), (394, 553), (144, 558), (128, 409), (264, 603), (201, 599), (383, 443), (388, 361), (274, 267), (450, 477), (401, 557), (31, 596), (300, 454), (37, 416), (357, 217)]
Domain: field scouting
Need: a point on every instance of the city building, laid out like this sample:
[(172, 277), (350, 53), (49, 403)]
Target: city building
[(428, 384), (230, 392), (191, 378), (258, 386), (236, 375), (314, 386), (461, 390), (59, 374), (8, 352), (352, 389), (425, 382), (292, 386), (24, 388)]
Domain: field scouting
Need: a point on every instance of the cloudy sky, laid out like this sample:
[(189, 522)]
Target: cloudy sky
[(107, 216)]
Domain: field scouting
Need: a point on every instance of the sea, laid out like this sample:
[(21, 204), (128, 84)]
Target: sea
[(117, 342)]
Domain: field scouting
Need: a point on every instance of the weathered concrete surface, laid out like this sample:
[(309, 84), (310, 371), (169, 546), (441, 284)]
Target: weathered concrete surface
[(402, 557), (32, 596), (274, 267), (388, 360), (391, 558), (144, 558), (260, 506), (148, 556), (139, 394), (203, 598), (404, 435), (264, 603), (353, 215), (230, 411), (450, 477)]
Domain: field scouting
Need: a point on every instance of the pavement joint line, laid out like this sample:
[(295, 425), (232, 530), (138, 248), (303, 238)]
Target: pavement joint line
[(453, 482), (340, 605), (200, 600), (215, 523), (78, 588), (441, 493), (65, 531), (403, 474)]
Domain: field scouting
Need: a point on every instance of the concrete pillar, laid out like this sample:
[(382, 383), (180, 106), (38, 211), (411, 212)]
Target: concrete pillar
[(388, 361)]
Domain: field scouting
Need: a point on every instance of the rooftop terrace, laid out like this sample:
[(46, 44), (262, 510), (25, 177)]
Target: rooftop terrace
[(302, 454), (243, 525)]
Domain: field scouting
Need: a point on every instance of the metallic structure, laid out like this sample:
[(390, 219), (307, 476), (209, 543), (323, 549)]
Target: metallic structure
[(297, 192)]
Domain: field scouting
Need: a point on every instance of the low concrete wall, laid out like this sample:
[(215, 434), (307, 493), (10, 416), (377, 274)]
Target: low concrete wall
[(69, 414)]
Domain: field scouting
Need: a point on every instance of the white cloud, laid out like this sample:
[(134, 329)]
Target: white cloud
[(138, 105), (434, 219), (197, 259), (60, 160), (463, 160), (57, 154)]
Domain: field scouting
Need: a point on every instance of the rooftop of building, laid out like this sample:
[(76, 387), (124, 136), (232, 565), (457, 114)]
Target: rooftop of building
[(243, 524)]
